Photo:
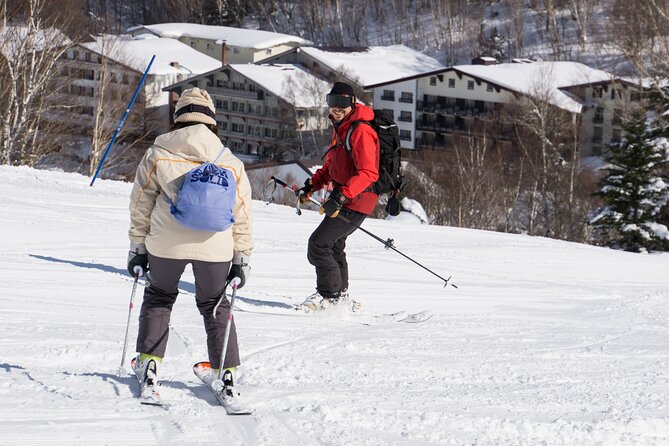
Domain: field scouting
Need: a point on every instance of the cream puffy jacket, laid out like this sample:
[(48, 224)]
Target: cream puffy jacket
[(162, 171)]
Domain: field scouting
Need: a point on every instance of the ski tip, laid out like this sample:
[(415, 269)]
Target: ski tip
[(151, 403), (203, 365)]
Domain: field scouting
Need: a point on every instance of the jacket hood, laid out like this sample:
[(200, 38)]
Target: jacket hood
[(193, 143)]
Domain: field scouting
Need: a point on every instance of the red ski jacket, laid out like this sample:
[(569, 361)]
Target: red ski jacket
[(353, 173)]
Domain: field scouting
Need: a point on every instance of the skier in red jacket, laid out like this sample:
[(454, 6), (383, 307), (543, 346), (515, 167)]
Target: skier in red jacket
[(352, 175)]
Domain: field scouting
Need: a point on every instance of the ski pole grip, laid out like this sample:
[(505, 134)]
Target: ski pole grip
[(138, 270), (278, 181), (235, 282)]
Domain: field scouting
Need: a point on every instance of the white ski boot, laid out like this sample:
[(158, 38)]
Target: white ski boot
[(147, 375)]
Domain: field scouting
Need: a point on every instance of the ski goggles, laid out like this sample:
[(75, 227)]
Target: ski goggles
[(336, 101)]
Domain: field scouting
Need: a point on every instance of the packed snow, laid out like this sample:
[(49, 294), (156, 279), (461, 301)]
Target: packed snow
[(377, 64), (543, 341), (172, 56), (232, 36), (540, 79)]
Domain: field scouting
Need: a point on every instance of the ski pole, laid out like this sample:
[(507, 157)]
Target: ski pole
[(138, 272), (125, 115), (388, 244), (235, 282)]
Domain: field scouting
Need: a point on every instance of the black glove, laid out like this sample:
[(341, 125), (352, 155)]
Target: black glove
[(137, 256), (304, 193), (240, 268), (333, 205)]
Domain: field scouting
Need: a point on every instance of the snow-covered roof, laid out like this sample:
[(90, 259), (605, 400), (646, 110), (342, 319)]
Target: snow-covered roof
[(545, 79), (136, 53), (13, 39), (378, 63), (246, 38), (277, 79)]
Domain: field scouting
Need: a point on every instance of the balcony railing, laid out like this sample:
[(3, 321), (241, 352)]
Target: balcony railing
[(241, 94)]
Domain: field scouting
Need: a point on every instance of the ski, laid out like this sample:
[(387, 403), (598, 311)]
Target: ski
[(400, 317), (227, 399), (148, 390), (352, 306), (300, 310), (415, 318)]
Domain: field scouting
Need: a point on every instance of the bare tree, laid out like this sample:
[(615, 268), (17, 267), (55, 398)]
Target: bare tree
[(548, 139), (29, 48), (306, 94)]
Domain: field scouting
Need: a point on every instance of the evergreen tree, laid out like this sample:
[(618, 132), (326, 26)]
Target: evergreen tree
[(634, 191)]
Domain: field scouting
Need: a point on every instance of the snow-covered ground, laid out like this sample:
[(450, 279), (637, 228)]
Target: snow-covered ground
[(544, 342)]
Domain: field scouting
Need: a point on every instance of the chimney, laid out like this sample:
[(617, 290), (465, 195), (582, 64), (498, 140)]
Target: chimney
[(224, 56), (175, 64), (484, 60)]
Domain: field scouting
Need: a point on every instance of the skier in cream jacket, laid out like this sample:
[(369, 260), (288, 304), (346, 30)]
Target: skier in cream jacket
[(161, 246)]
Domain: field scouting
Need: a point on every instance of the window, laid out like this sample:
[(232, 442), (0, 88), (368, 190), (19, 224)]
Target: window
[(406, 97), (489, 87), (405, 116), (237, 127), (451, 83), (616, 135), (470, 85), (597, 92), (596, 134), (268, 51), (617, 116), (388, 95), (405, 135), (433, 80), (599, 115)]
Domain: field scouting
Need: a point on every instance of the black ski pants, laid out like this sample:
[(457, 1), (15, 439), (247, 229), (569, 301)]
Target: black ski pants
[(161, 293), (326, 251)]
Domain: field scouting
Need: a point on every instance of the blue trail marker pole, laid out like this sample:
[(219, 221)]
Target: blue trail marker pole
[(125, 115)]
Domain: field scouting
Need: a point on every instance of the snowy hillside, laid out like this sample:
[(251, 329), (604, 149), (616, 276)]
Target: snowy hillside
[(544, 342)]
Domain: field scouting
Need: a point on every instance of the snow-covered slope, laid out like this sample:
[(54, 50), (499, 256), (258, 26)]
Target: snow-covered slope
[(544, 342)]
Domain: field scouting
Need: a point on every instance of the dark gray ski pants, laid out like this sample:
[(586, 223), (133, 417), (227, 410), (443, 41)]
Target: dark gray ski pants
[(326, 252), (160, 295)]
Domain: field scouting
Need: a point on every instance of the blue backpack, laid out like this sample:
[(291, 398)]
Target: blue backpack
[(206, 199)]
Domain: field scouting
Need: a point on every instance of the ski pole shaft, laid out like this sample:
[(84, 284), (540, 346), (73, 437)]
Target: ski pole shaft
[(235, 282), (138, 272), (125, 115), (387, 243)]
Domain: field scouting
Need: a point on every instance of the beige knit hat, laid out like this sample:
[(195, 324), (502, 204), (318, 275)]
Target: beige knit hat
[(195, 105)]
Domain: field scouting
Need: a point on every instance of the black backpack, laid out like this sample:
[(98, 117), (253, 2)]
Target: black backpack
[(390, 175)]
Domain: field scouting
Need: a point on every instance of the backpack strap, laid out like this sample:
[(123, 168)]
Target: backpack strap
[(347, 143), (353, 126), (219, 155)]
